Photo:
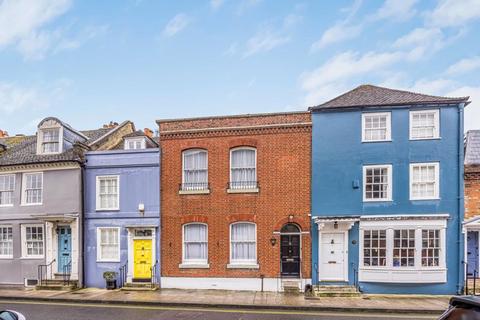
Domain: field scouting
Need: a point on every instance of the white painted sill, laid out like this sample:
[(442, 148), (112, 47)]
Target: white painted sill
[(187, 192), (242, 266), (194, 266), (253, 190), (108, 261), (376, 141), (6, 205), (420, 139)]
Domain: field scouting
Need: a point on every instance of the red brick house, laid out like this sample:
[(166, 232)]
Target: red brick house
[(472, 200), (235, 202)]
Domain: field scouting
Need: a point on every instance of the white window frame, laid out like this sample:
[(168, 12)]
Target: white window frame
[(436, 113), (24, 189), (41, 142), (256, 167), (193, 261), (97, 193), (243, 262), (436, 196), (23, 235), (405, 274), (99, 239), (390, 182), (135, 141), (12, 191), (194, 190), (7, 256), (388, 135)]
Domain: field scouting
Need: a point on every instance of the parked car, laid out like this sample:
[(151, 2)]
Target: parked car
[(11, 315), (462, 308)]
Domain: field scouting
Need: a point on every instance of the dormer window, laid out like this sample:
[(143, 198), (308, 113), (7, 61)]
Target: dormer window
[(136, 143), (50, 140)]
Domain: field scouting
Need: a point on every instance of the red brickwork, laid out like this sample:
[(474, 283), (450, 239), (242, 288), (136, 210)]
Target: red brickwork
[(472, 191), (283, 143)]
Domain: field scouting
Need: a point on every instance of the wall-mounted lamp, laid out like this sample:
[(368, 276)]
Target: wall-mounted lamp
[(273, 241), (290, 218), (141, 208), (335, 225)]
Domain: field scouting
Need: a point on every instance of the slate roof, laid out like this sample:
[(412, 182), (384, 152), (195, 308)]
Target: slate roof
[(25, 152), (371, 96), (151, 142), (472, 150)]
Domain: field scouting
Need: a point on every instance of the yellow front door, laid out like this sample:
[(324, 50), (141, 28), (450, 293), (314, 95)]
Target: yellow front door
[(142, 258)]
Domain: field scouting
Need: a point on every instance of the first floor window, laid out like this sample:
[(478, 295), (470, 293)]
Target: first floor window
[(243, 247), (7, 187), (424, 181), (108, 193), (6, 241), (243, 168), (33, 241), (195, 243), (430, 248), (424, 124), (33, 188), (376, 127), (374, 248), (377, 183), (195, 170), (404, 248), (108, 244)]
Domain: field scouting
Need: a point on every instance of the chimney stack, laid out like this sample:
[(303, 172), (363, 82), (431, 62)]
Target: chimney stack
[(3, 134), (148, 132), (110, 125)]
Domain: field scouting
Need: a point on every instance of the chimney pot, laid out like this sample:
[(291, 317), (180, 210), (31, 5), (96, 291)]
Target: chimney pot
[(148, 132), (3, 134)]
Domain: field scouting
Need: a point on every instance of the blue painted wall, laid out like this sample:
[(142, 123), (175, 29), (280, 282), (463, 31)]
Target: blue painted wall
[(338, 156), (139, 183)]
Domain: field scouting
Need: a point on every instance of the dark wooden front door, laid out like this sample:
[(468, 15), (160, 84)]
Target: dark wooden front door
[(290, 254)]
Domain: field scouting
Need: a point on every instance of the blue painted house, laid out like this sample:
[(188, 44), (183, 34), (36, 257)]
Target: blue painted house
[(387, 192), (122, 211)]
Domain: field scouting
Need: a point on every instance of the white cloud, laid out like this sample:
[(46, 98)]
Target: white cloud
[(246, 5), (176, 24), (216, 4), (264, 41), (338, 33), (454, 13), (335, 73), (15, 98), (396, 10), (19, 18), (464, 66)]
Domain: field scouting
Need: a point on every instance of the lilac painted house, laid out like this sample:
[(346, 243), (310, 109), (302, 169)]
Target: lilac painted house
[(122, 212)]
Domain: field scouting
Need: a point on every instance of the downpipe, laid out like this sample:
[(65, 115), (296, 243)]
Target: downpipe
[(461, 270)]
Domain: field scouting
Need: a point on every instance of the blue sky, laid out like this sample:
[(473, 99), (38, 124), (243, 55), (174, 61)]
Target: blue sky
[(89, 62)]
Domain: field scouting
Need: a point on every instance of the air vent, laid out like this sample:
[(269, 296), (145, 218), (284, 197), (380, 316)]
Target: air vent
[(30, 282)]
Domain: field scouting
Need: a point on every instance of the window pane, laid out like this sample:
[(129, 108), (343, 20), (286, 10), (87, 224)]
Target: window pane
[(374, 248), (404, 248), (376, 183), (243, 242), (424, 182), (430, 248), (195, 172), (243, 169), (375, 127)]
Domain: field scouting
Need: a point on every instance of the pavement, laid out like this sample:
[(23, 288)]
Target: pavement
[(394, 304)]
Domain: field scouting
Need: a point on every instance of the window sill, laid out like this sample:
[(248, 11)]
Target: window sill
[(112, 209), (30, 204), (425, 199), (250, 190), (376, 201), (242, 266), (420, 139), (187, 192), (32, 258), (108, 261), (6, 257), (6, 205), (194, 266), (376, 141)]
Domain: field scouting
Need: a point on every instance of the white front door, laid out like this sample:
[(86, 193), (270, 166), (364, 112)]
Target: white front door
[(332, 256)]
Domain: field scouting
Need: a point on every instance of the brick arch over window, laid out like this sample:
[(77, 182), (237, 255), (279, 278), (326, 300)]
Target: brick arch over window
[(243, 142), (194, 218), (242, 217), (301, 222)]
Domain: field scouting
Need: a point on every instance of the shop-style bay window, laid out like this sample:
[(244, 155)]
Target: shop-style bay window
[(402, 249)]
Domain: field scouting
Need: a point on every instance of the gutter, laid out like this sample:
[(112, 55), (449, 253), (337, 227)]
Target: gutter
[(461, 209)]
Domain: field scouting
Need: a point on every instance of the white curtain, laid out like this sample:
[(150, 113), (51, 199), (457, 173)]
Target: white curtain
[(243, 240), (243, 168), (195, 242), (195, 171), (108, 193), (109, 243)]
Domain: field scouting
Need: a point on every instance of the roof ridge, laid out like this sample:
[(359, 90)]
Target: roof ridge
[(414, 92)]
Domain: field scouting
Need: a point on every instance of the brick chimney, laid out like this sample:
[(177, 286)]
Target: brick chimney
[(148, 132), (3, 134), (110, 125)]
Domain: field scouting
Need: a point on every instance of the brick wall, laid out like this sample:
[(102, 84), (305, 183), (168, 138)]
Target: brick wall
[(472, 192), (283, 173)]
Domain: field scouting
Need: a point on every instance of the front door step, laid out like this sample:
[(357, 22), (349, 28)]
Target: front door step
[(335, 291), (57, 285), (291, 286), (139, 286)]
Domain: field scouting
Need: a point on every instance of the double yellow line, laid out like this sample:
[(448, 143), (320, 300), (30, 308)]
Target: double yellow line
[(358, 315)]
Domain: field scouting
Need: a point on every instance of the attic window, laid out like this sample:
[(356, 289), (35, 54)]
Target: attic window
[(134, 143), (50, 140)]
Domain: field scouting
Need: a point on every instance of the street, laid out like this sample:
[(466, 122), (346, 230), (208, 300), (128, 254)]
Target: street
[(72, 311)]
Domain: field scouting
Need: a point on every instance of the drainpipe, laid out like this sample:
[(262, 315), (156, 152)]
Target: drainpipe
[(461, 209)]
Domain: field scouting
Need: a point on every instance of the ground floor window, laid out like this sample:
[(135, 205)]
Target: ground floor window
[(195, 243), (108, 244), (6, 242), (243, 243), (32, 241)]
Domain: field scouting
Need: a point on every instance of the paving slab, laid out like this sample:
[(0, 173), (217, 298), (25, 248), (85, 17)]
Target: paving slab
[(238, 299)]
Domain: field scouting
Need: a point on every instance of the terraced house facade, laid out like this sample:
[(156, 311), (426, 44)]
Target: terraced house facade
[(235, 199), (41, 201)]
